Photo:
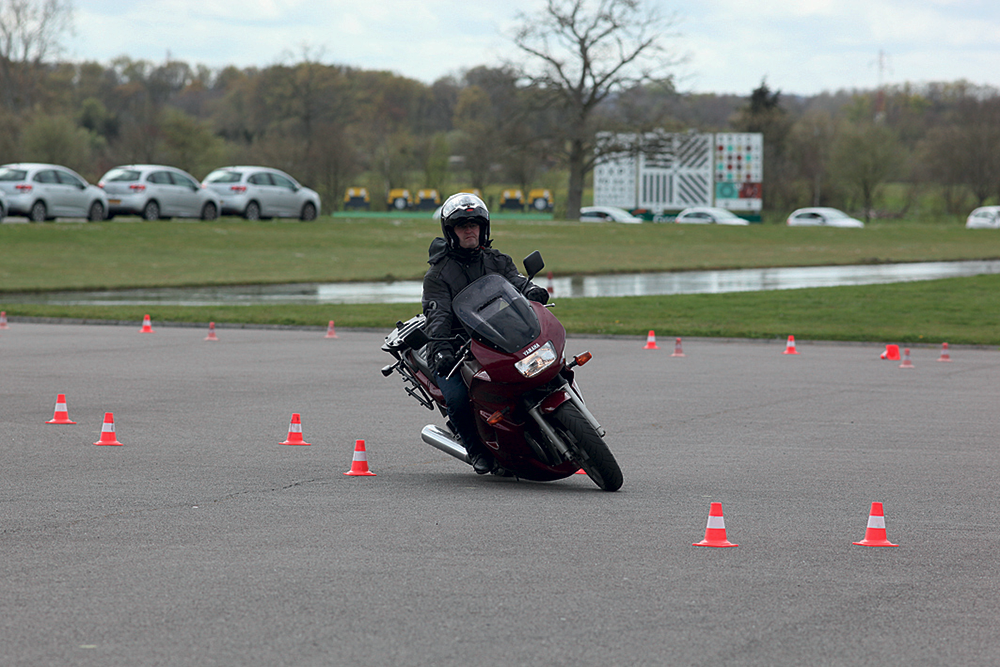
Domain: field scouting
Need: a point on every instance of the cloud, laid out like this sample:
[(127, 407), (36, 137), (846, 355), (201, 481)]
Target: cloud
[(801, 46)]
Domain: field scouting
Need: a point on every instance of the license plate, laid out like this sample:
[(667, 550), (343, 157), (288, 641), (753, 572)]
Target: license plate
[(114, 201)]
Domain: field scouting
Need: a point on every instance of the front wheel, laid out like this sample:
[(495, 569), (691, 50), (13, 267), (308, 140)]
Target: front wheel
[(308, 213), (595, 457)]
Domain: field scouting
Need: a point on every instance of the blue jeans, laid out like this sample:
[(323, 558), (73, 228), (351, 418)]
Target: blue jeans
[(456, 396)]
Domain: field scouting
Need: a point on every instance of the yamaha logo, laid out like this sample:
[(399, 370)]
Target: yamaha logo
[(531, 349)]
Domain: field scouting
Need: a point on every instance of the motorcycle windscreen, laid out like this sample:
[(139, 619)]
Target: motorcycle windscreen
[(494, 312)]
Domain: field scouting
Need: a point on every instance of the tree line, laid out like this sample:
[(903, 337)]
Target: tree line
[(333, 126)]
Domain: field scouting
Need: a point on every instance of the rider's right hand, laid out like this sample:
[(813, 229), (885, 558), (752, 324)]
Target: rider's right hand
[(443, 363)]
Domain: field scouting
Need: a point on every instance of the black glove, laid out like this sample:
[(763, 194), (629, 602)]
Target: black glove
[(443, 363), (539, 294)]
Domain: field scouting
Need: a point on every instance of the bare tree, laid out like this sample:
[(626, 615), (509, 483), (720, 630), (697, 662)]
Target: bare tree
[(864, 157), (581, 52), (30, 31)]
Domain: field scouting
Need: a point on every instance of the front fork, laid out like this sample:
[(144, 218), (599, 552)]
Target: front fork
[(548, 405)]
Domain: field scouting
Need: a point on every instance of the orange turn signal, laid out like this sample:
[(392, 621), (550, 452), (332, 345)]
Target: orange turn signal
[(581, 359), (495, 418)]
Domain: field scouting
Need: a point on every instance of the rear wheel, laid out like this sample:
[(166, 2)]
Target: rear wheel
[(38, 212), (595, 457), (151, 211), (252, 211)]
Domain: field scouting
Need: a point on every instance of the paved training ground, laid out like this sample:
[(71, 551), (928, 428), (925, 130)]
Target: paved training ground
[(203, 541)]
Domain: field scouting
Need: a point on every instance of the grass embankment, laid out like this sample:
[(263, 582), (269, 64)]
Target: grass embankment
[(126, 254)]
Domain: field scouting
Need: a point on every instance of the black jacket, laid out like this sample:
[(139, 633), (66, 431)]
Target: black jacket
[(451, 271)]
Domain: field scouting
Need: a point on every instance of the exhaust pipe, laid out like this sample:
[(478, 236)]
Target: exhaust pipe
[(436, 436)]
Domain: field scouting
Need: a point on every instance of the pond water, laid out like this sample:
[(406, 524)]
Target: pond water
[(635, 284)]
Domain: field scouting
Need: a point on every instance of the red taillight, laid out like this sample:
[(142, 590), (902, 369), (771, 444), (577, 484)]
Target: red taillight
[(137, 187), (238, 188), (23, 187), (101, 185)]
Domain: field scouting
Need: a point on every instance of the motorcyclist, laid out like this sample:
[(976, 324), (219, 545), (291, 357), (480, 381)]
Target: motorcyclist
[(461, 257)]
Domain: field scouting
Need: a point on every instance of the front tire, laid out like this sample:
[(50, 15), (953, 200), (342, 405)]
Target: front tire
[(308, 212), (209, 211), (96, 213), (595, 457)]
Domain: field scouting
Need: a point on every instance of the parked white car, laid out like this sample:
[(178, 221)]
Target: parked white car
[(261, 192), (3, 206), (822, 216), (48, 191), (709, 215), (984, 217), (156, 191), (606, 214)]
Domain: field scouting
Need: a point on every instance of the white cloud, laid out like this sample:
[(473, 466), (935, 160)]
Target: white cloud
[(801, 46)]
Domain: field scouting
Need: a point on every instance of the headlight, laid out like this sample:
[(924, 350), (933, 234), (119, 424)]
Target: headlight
[(537, 361)]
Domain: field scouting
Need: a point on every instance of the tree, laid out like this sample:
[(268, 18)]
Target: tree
[(864, 157), (30, 31), (764, 114), (581, 52)]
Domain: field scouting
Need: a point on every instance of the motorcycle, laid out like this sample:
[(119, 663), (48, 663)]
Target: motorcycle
[(528, 409)]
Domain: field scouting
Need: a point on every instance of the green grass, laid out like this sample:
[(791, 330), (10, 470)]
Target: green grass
[(132, 254), (956, 310), (139, 254)]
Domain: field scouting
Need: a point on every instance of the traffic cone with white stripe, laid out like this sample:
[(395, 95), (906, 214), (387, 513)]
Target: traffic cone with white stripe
[(551, 287), (61, 415), (3, 320), (359, 466), (944, 353), (211, 332), (875, 534), (295, 432), (651, 341), (678, 352), (790, 346), (891, 352), (715, 532), (147, 325), (108, 431), (906, 359), (330, 331)]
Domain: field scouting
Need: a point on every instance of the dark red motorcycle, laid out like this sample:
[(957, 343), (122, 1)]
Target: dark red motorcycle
[(528, 409)]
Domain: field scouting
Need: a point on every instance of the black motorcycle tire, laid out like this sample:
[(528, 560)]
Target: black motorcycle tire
[(596, 459)]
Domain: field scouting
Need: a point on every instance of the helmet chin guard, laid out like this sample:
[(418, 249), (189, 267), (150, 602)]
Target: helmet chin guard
[(460, 208)]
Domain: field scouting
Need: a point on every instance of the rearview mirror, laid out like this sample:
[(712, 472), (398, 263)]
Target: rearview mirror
[(533, 263)]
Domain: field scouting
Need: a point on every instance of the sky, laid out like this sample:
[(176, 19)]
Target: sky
[(802, 47)]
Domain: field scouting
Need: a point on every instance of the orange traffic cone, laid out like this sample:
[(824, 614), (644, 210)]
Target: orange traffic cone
[(891, 353), (944, 353), (715, 532), (551, 288), (295, 432), (359, 466), (211, 332), (790, 346), (147, 325), (651, 341), (3, 320), (330, 331), (875, 534), (678, 352), (61, 415), (108, 431), (906, 359)]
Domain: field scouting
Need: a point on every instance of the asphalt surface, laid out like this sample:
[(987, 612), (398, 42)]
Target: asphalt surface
[(202, 541)]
